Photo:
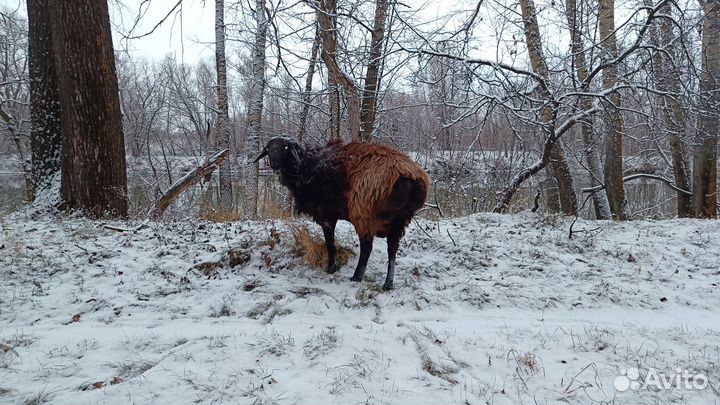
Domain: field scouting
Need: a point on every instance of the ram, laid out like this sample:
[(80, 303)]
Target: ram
[(377, 188)]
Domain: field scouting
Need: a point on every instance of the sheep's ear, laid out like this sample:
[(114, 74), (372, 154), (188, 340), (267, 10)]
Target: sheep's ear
[(262, 155)]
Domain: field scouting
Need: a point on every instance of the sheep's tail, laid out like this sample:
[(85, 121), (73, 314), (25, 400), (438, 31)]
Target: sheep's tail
[(373, 172)]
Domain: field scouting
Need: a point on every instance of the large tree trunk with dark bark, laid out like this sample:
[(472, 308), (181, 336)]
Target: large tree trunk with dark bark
[(94, 177), (615, 124), (45, 130), (705, 165), (223, 119)]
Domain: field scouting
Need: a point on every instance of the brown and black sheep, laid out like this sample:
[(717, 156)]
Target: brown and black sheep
[(377, 188)]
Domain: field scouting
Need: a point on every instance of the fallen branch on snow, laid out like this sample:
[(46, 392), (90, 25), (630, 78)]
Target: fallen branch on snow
[(192, 177), (143, 225)]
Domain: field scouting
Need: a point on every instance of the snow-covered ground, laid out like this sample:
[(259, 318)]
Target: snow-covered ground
[(487, 309)]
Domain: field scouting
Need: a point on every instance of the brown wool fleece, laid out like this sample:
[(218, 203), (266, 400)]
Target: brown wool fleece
[(372, 171)]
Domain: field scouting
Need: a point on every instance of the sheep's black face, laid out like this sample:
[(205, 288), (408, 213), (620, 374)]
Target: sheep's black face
[(283, 153)]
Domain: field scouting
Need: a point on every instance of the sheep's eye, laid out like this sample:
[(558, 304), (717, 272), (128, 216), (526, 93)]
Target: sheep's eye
[(286, 148)]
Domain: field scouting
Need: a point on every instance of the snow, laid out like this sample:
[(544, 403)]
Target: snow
[(487, 309)]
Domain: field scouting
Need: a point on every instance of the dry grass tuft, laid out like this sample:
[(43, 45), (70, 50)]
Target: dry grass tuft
[(276, 210), (444, 371), (213, 215), (311, 248)]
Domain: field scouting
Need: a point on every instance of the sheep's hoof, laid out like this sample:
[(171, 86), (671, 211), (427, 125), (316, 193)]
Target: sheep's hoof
[(388, 286), (333, 269), (356, 278)]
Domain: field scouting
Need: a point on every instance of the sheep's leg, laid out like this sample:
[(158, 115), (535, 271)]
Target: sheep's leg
[(393, 242), (365, 249), (329, 232)]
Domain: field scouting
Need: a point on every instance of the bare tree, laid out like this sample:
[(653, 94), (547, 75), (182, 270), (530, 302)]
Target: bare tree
[(705, 164), (528, 97), (307, 92), (592, 157), (94, 177), (614, 185), (13, 90), (668, 82), (222, 126), (328, 40), (368, 108), (142, 97), (253, 140), (190, 92), (328, 35), (477, 121), (548, 112), (45, 133)]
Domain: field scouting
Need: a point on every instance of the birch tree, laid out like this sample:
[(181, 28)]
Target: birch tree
[(255, 110), (307, 92), (222, 126), (13, 91)]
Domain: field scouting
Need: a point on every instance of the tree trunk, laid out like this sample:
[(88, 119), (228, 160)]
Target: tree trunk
[(561, 172), (328, 34), (223, 119), (509, 191), (614, 186), (672, 112), (334, 108), (45, 130), (94, 177), (557, 161), (550, 192), (307, 93), (705, 165), (372, 77), (253, 141), (12, 127), (592, 158), (333, 88)]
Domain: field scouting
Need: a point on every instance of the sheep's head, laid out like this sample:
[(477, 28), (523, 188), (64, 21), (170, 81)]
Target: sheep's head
[(283, 153)]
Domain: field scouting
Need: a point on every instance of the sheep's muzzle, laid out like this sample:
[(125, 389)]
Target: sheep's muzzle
[(262, 155)]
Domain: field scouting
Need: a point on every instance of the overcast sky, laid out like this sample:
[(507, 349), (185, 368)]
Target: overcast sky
[(190, 34), (189, 30)]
